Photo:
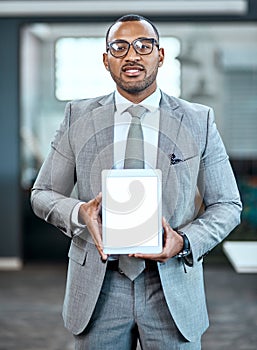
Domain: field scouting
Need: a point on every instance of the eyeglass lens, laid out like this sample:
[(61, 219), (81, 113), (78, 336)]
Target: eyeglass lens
[(120, 48)]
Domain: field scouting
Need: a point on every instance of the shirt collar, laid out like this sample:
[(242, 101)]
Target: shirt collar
[(152, 102)]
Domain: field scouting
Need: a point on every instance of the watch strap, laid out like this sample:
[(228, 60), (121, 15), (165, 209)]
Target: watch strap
[(186, 250)]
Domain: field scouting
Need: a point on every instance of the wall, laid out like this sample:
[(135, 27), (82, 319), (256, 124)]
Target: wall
[(10, 219), (12, 199)]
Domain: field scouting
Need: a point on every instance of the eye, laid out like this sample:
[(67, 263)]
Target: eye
[(143, 45), (119, 46)]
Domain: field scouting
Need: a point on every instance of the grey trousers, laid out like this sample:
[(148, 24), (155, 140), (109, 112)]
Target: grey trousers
[(130, 311)]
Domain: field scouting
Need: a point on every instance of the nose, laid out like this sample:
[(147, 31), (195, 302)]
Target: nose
[(132, 55)]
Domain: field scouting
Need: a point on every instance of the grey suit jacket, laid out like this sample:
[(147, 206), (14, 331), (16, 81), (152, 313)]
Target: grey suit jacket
[(195, 170)]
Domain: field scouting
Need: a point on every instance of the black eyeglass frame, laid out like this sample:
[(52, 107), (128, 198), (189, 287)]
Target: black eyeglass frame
[(152, 40)]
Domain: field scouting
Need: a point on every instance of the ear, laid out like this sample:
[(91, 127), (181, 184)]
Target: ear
[(105, 61), (161, 57)]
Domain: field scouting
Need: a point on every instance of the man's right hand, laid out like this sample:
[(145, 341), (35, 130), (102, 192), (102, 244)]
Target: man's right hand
[(89, 213)]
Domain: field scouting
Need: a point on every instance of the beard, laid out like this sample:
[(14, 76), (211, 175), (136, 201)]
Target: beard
[(134, 87)]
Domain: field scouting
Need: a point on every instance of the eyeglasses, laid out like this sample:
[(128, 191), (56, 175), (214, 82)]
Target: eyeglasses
[(120, 48)]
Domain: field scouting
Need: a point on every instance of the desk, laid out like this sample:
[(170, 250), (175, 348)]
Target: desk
[(242, 255)]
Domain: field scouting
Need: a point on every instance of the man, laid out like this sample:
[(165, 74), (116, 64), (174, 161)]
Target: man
[(164, 305)]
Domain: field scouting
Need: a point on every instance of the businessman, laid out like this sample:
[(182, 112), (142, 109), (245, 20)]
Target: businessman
[(111, 302)]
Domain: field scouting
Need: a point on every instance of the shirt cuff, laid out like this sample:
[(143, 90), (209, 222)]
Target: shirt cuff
[(75, 219)]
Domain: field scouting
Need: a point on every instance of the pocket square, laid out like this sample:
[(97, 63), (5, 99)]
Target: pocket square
[(174, 159)]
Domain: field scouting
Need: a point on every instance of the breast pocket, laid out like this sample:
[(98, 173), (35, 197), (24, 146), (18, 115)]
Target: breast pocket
[(184, 173), (180, 189)]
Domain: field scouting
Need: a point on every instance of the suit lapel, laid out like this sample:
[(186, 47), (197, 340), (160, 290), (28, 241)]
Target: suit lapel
[(171, 116), (103, 120)]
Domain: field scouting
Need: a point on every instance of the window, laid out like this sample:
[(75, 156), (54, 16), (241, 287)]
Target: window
[(240, 113), (80, 73)]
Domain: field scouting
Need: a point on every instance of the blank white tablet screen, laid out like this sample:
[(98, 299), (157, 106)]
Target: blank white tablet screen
[(132, 212)]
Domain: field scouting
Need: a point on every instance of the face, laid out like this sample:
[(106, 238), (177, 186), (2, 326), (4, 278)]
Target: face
[(134, 74)]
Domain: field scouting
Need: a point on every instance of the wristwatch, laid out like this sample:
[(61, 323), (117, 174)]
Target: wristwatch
[(186, 246)]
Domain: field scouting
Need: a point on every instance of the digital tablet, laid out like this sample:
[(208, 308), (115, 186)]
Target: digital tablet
[(132, 211)]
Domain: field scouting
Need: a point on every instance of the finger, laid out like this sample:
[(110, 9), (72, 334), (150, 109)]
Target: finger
[(102, 254), (164, 221), (149, 256), (166, 225), (99, 247), (98, 198), (99, 220), (94, 229), (162, 257), (98, 202)]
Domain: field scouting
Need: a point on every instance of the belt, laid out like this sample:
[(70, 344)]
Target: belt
[(113, 265)]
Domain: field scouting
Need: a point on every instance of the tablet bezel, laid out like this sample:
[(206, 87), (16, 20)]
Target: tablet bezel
[(133, 173)]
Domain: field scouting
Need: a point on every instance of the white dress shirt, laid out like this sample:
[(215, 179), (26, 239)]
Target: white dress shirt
[(150, 126)]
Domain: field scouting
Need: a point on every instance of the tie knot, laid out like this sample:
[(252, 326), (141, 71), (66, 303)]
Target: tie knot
[(137, 111)]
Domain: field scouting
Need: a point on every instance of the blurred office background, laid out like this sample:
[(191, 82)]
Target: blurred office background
[(51, 52)]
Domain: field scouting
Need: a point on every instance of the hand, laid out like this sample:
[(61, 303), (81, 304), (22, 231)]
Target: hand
[(89, 213), (173, 244)]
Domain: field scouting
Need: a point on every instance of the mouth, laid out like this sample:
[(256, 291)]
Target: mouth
[(132, 71)]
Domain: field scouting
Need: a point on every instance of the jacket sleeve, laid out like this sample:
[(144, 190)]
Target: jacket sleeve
[(220, 196), (50, 197)]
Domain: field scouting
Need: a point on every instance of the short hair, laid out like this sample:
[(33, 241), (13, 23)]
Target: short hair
[(130, 18)]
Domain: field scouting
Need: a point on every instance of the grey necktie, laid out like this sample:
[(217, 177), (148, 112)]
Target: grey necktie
[(134, 159), (134, 155)]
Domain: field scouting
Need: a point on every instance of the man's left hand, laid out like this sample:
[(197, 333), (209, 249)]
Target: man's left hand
[(173, 244)]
